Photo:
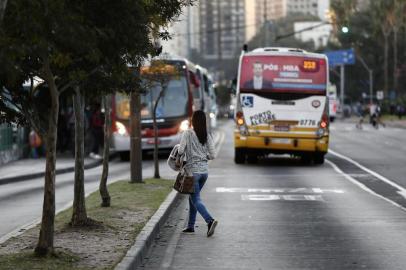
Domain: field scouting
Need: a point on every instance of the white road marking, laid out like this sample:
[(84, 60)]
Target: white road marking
[(278, 190), (256, 197), (362, 186), (272, 197), (401, 190), (249, 176)]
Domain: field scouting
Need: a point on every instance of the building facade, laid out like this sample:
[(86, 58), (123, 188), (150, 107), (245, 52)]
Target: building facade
[(310, 7), (276, 9), (222, 28), (184, 31), (266, 10), (319, 34)]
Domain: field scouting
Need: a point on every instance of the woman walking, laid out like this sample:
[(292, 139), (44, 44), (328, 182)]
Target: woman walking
[(199, 148)]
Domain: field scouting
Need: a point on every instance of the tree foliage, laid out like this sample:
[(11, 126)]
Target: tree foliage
[(371, 30), (65, 44)]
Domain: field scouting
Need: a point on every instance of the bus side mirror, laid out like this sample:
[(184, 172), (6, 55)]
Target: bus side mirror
[(233, 88)]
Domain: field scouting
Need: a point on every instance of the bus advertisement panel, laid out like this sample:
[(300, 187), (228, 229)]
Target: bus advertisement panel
[(282, 105), (282, 74)]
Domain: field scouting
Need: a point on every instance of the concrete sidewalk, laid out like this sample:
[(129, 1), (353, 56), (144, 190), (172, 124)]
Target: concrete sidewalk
[(26, 169), (398, 123)]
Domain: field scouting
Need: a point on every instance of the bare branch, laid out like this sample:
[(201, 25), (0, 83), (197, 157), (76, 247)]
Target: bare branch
[(72, 83), (12, 102), (3, 5)]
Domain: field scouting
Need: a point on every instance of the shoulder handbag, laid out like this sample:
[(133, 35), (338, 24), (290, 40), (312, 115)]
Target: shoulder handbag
[(184, 182)]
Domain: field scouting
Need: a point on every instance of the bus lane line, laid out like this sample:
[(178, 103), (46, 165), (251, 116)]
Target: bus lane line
[(362, 186), (401, 190)]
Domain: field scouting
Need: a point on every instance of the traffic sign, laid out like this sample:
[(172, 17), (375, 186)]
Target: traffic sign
[(341, 57), (379, 95)]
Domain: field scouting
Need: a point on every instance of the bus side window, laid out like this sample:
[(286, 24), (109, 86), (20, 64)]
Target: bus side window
[(206, 84)]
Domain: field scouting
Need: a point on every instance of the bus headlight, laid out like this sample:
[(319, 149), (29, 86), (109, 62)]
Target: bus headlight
[(184, 125), (121, 129), (212, 115)]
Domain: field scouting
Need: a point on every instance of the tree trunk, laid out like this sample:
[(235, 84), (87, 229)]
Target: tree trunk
[(135, 137), (156, 160), (45, 243), (3, 5), (385, 64), (395, 60), (104, 193), (79, 215)]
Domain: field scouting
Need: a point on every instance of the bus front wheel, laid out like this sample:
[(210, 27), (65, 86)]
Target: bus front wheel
[(239, 156)]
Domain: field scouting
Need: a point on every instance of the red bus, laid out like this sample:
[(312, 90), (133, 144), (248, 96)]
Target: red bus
[(174, 110)]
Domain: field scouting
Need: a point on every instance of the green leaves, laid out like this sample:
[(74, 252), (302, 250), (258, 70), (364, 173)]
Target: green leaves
[(85, 41)]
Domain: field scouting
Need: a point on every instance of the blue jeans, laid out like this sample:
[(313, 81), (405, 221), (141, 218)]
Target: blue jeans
[(195, 203)]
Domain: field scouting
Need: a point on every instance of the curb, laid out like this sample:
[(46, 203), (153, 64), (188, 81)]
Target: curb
[(26, 177), (395, 125), (143, 242)]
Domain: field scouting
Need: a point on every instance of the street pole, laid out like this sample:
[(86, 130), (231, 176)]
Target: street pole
[(371, 86), (342, 82), (237, 19), (220, 54), (371, 82), (265, 23), (189, 37)]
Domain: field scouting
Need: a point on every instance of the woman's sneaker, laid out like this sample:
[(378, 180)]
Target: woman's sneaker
[(188, 230), (211, 227)]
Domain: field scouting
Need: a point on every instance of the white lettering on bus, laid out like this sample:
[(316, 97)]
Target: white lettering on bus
[(271, 67), (262, 118), (290, 68)]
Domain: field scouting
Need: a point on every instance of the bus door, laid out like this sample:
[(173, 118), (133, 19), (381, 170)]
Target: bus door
[(195, 83)]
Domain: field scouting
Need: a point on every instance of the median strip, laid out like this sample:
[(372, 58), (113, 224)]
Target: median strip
[(103, 244)]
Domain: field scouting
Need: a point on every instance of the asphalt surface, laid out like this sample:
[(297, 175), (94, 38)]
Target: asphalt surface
[(382, 150), (21, 202), (280, 214)]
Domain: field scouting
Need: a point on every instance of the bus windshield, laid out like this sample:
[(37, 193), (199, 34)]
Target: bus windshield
[(283, 74), (173, 103)]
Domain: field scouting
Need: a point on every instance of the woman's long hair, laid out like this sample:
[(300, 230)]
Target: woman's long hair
[(199, 126)]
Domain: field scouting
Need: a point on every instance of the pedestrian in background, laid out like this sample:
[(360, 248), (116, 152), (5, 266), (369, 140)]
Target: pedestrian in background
[(400, 110), (36, 145), (361, 115), (199, 148), (96, 126)]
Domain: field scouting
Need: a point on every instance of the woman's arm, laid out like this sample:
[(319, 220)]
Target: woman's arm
[(183, 142), (210, 147)]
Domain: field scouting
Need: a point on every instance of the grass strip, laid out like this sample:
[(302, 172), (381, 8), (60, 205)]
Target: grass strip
[(99, 246)]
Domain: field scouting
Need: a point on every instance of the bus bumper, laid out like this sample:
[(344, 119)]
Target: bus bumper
[(122, 143), (281, 145)]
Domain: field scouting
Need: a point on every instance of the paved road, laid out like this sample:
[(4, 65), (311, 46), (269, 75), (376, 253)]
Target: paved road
[(21, 202), (279, 214)]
